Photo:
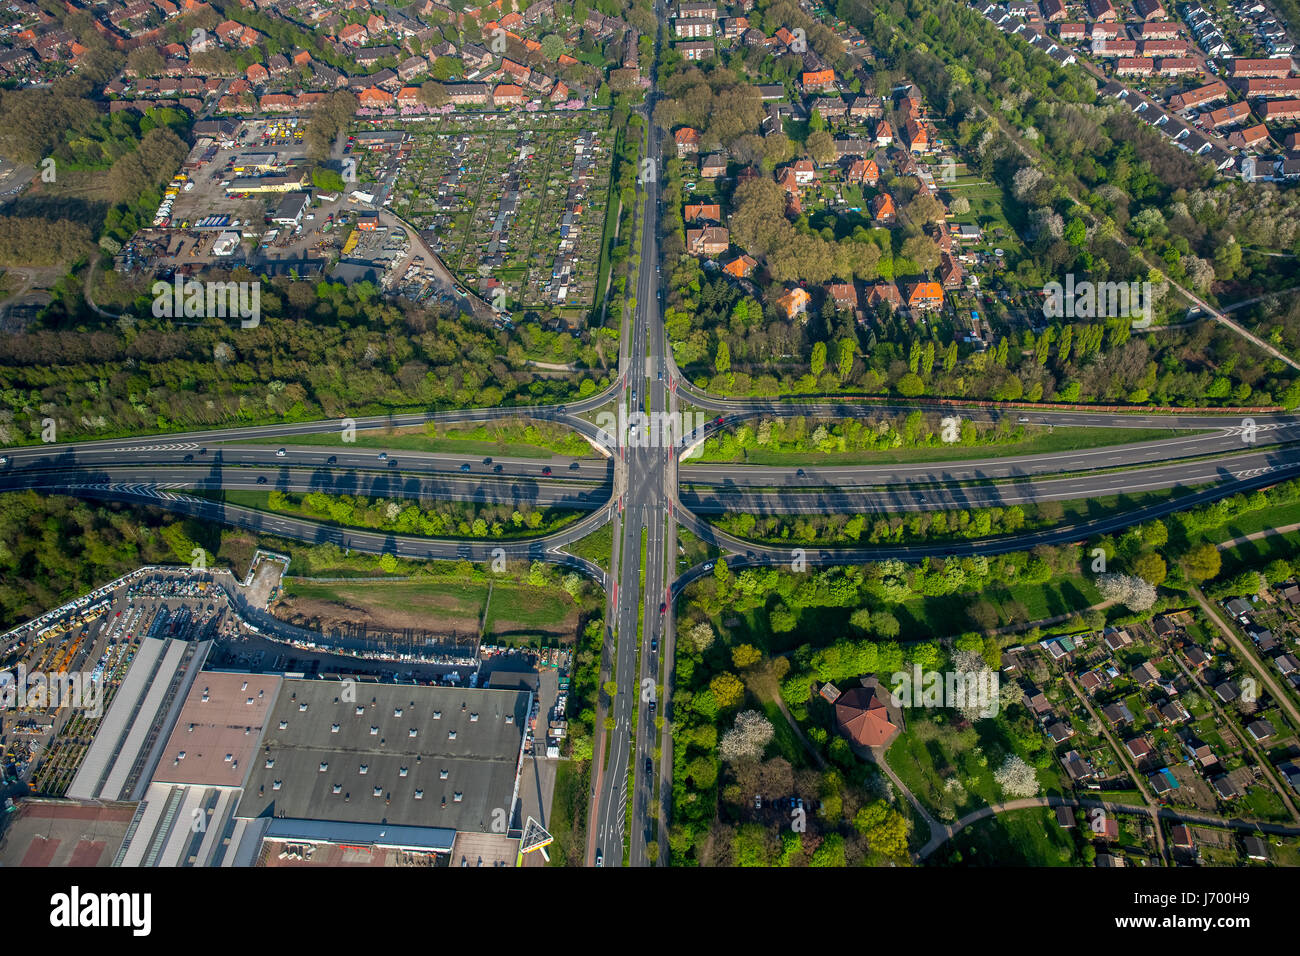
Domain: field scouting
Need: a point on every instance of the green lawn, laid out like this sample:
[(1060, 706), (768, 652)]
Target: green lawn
[(1029, 837)]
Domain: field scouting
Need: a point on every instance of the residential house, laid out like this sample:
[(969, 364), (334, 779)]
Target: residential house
[(794, 302), (709, 241), (923, 295)]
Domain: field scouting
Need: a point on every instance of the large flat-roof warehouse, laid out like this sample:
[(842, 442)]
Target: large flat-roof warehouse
[(397, 755)]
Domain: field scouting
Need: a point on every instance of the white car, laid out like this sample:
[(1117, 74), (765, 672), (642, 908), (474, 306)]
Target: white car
[(280, 453)]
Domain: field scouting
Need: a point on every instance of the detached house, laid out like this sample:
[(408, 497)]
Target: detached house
[(795, 302)]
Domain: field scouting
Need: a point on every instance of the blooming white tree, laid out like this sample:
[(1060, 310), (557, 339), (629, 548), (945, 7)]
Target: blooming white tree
[(1127, 589), (700, 636), (745, 741), (1016, 778)]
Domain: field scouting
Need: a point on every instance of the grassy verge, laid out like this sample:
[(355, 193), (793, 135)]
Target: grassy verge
[(515, 440), (597, 547), (552, 518), (1039, 441)]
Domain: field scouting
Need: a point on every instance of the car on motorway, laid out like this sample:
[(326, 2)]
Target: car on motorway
[(921, 498), (332, 460), (383, 456), (654, 644), (465, 467), (801, 473), (547, 471), (575, 466), (599, 858), (4, 460), (649, 767), (261, 479), (189, 458), (203, 451), (634, 394), (497, 469), (718, 420), (663, 606), (487, 460), (280, 453), (1023, 419)]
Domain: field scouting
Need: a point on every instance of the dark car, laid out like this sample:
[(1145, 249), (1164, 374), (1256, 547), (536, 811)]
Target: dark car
[(189, 457), (261, 479), (332, 460), (575, 466), (654, 644), (801, 473), (488, 460), (649, 767), (663, 607), (465, 467), (546, 470), (498, 469)]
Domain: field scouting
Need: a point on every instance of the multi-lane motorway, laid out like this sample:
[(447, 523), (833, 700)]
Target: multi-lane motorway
[(645, 491)]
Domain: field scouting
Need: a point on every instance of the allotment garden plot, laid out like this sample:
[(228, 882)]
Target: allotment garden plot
[(517, 204)]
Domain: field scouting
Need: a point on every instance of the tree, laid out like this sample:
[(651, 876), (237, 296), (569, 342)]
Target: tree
[(727, 689), (1016, 778), (745, 655), (747, 738), (884, 828), (818, 358), (1131, 591), (922, 251), (910, 385), (700, 637), (552, 46), (433, 94), (845, 361), (1202, 563), (821, 147), (722, 362), (1150, 567)]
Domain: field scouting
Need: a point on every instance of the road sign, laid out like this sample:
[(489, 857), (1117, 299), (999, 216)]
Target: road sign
[(535, 837)]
